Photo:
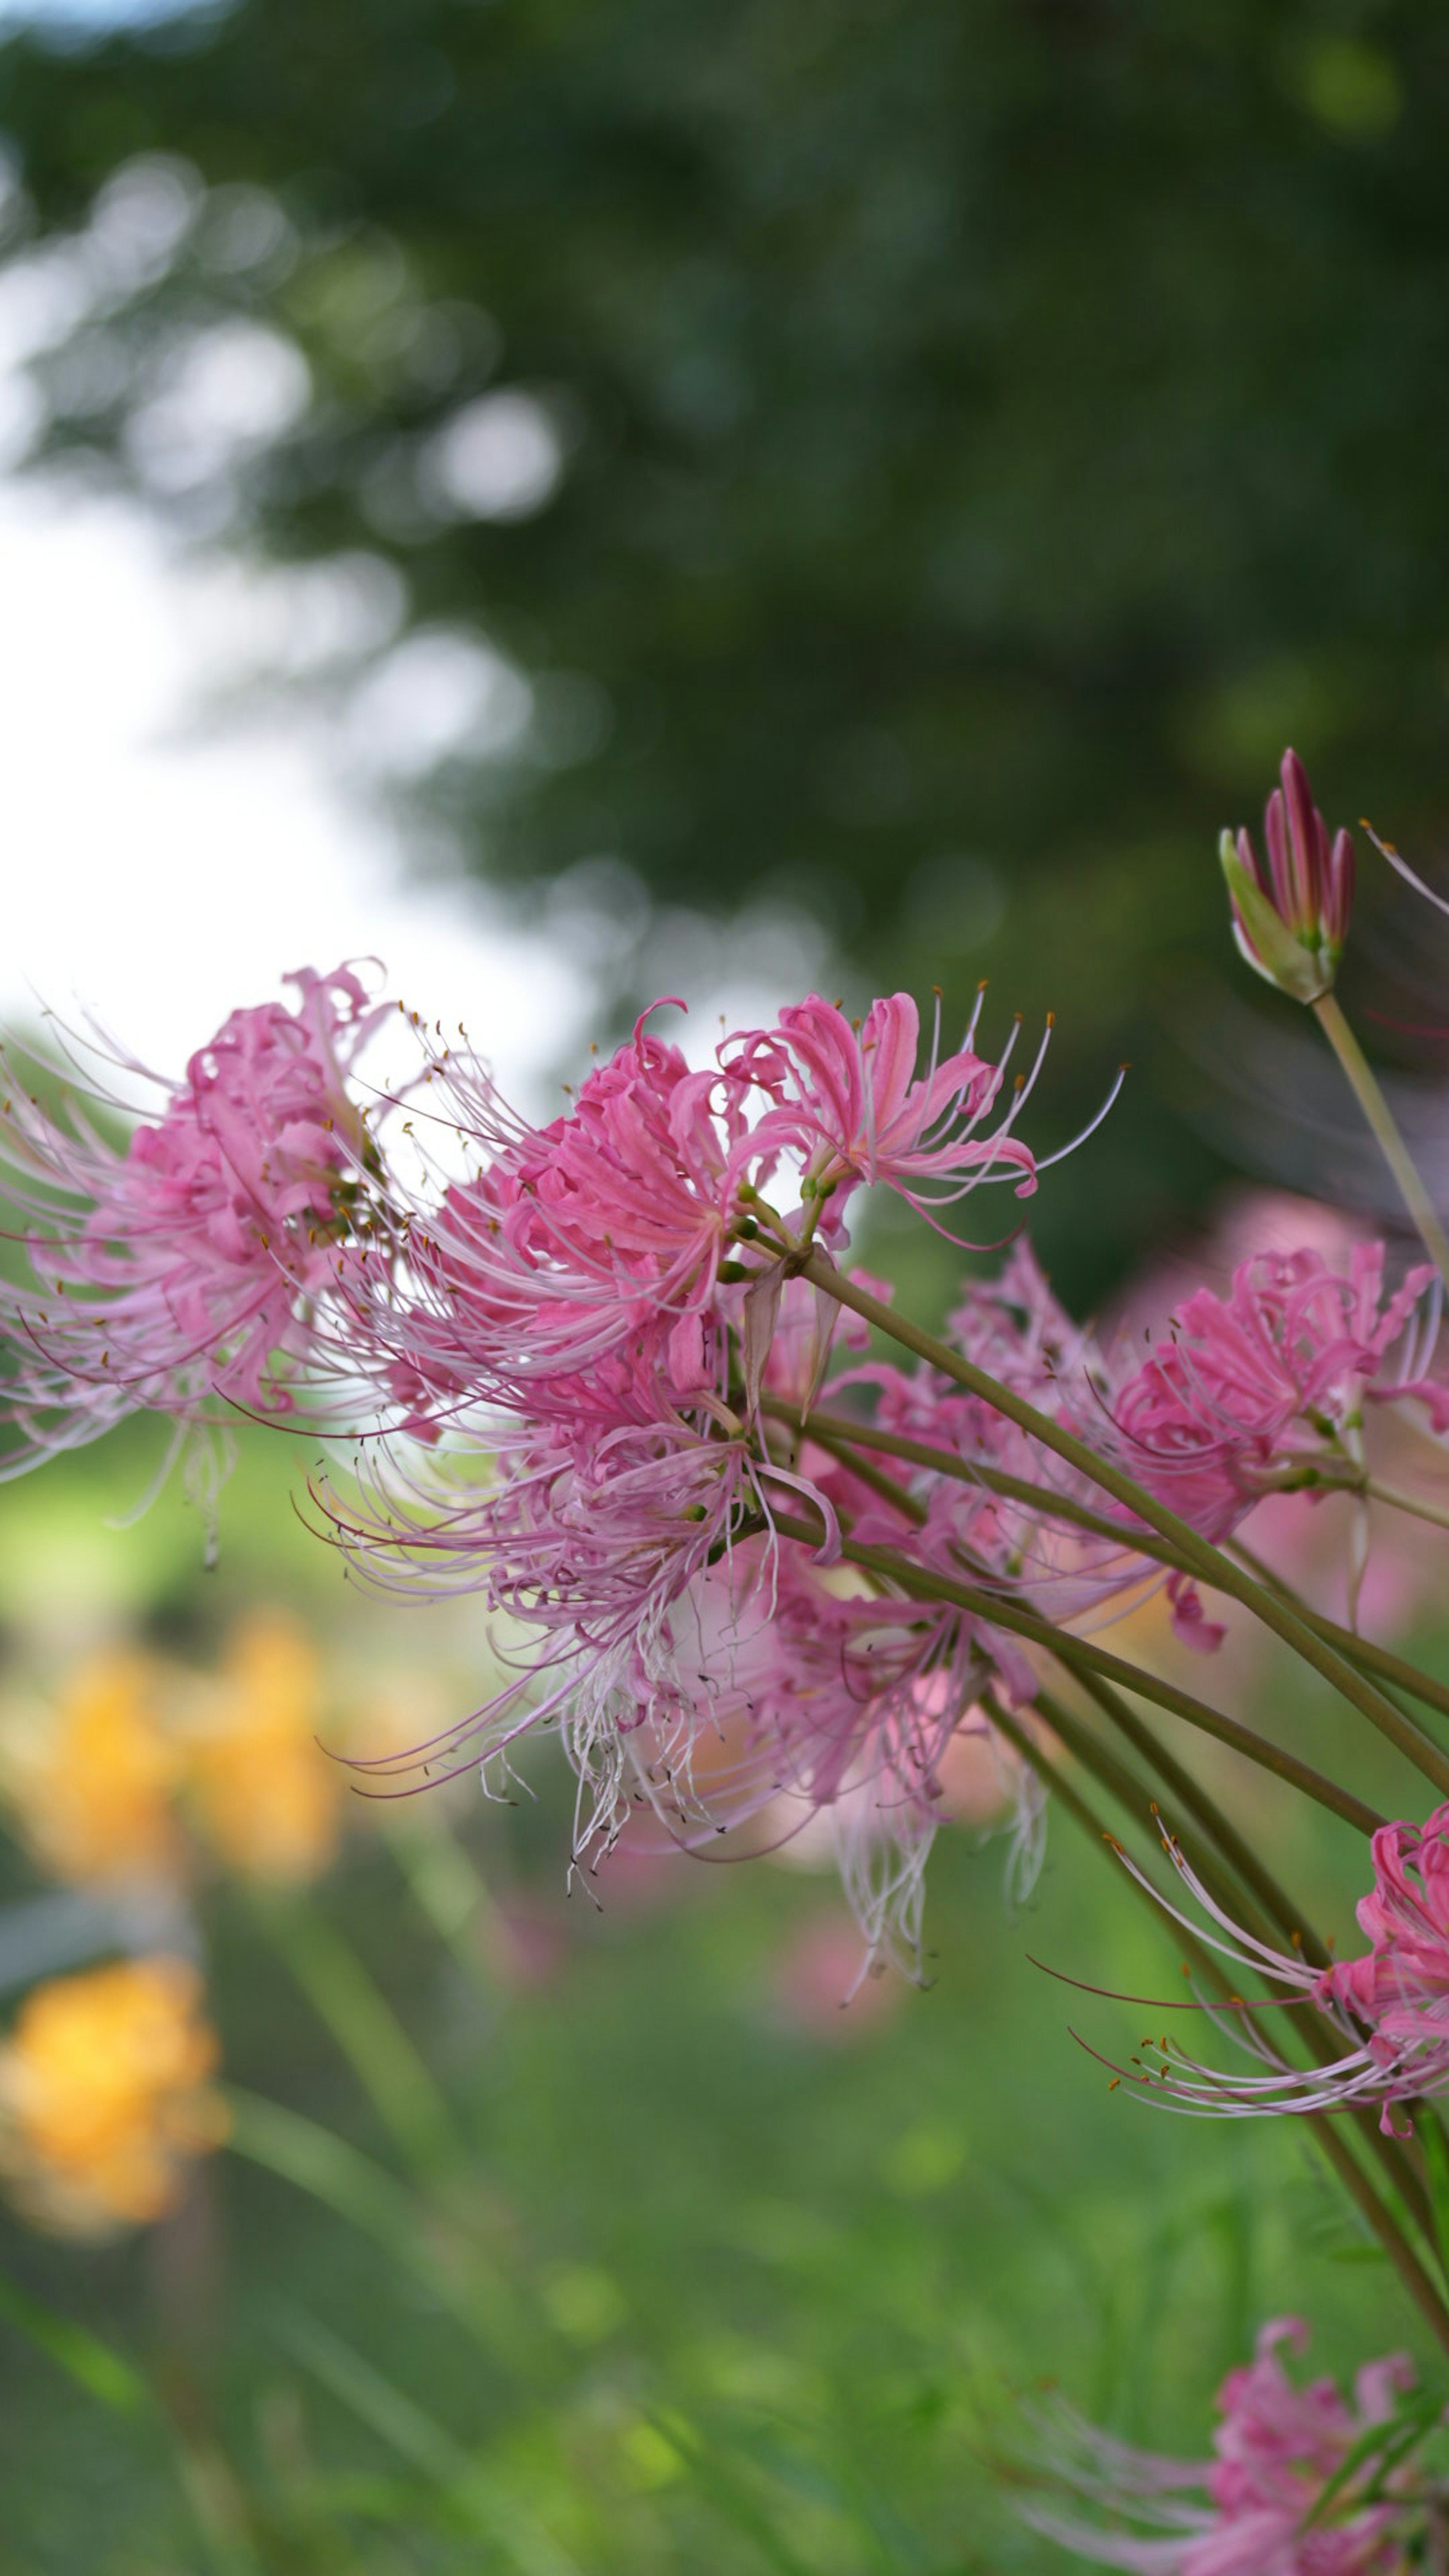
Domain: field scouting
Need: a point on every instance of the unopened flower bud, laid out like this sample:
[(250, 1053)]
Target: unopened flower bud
[(1290, 919)]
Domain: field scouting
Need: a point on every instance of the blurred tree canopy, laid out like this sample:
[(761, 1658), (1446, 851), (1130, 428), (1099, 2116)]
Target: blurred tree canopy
[(923, 460)]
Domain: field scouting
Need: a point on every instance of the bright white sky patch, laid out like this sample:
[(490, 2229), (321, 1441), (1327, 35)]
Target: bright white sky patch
[(157, 876)]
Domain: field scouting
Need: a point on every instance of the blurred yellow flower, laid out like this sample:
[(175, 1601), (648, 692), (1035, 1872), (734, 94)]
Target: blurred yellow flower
[(266, 1796), (104, 2098), (90, 1776)]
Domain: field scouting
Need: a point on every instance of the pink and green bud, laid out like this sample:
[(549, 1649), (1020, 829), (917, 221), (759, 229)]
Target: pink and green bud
[(1290, 918)]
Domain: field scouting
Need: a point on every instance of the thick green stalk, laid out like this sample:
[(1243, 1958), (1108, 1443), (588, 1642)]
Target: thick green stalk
[(1375, 1659), (1397, 1502), (1364, 1083), (1205, 1561), (840, 1431), (1192, 1799), (1385, 2226), (1081, 1653), (831, 1430), (1092, 1681)]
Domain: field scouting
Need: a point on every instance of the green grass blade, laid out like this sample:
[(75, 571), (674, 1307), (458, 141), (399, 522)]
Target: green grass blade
[(426, 2445), (97, 2367), (346, 1999), (315, 2160), (386, 2410), (454, 1895)]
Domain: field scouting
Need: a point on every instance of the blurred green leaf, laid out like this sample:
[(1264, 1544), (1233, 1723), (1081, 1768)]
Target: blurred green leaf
[(463, 2479), (414, 2234), (102, 2372), (368, 2031)]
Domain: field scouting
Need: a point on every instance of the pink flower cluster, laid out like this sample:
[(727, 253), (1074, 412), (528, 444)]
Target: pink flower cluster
[(1263, 1390), (1301, 2482), (192, 1267), (609, 1369), (607, 1310), (595, 1246)]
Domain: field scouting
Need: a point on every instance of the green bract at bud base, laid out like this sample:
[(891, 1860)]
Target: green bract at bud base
[(1267, 944)]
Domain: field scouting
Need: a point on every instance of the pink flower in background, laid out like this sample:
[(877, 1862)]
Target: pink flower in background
[(188, 1263), (1015, 1329), (1297, 2485), (846, 1706), (1290, 919), (816, 1982), (1267, 1385), (1389, 2008)]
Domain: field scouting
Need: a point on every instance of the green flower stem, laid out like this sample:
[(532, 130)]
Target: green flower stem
[(1398, 1502), (1375, 1659), (1385, 2226), (1084, 1673), (889, 1490), (1081, 1654), (1412, 2273), (1193, 1800), (1206, 1562), (1092, 1679), (1367, 1091), (454, 1895), (840, 1432), (832, 1430)]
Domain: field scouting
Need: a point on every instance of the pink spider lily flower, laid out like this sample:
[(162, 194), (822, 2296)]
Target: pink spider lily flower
[(1389, 2010), (1264, 1390), (186, 1267), (1301, 2483), (592, 1548), (1290, 918), (846, 1098), (690, 1657), (596, 1236), (1015, 1329), (844, 1707), (611, 1232)]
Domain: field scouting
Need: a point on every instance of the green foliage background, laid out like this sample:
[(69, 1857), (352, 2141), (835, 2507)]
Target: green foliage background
[(643, 2269)]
